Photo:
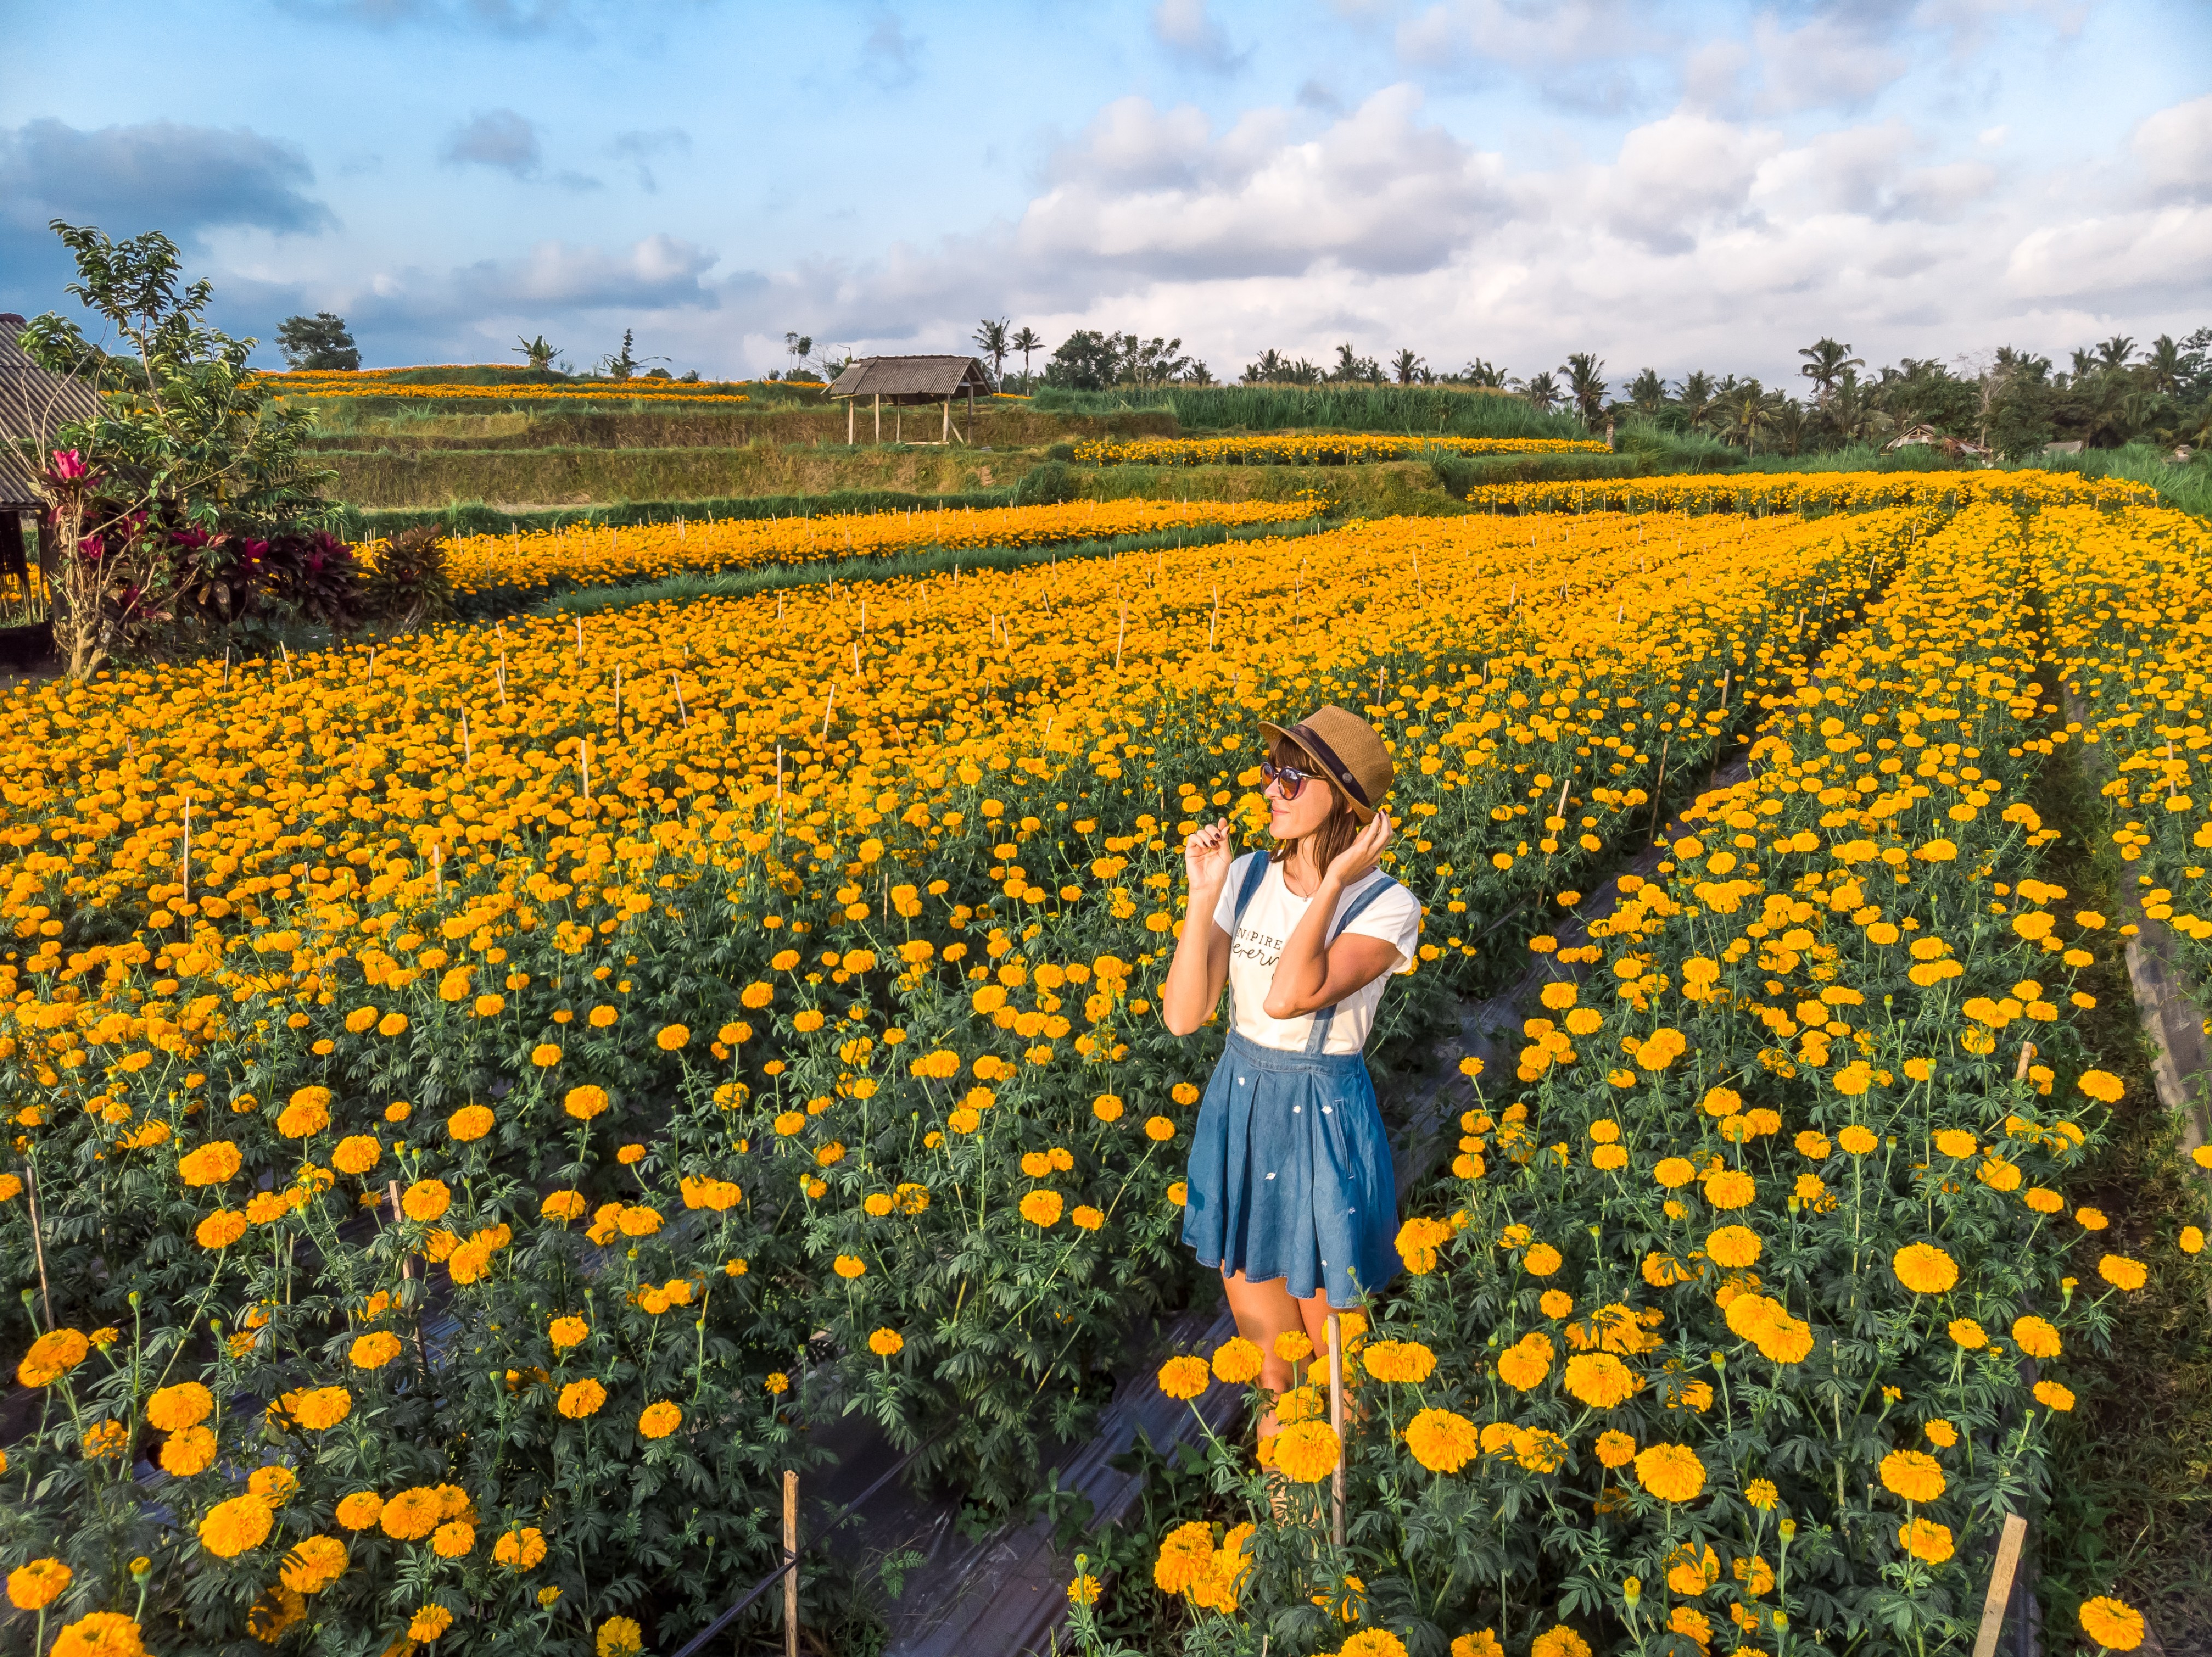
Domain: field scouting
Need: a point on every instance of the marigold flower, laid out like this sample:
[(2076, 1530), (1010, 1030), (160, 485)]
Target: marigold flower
[(470, 1123), (412, 1514), (1184, 1376), (659, 1420), (101, 1634), (1483, 1642), (1441, 1442), (1731, 1188), (520, 1549), (426, 1200), (374, 1350), (1733, 1246), (1761, 1494), (314, 1564), (1541, 1260), (581, 1399), (620, 1636), (2036, 1337), (544, 1054), (886, 1343), (2102, 1086), (1559, 1641), (1671, 1471), (360, 1510), (320, 1408), (1599, 1380), (1042, 1208), (38, 1585), (1913, 1474), (1525, 1364), (234, 1526), (1925, 1269), (1941, 1433), (2051, 1396), (2121, 1272), (1615, 1448), (427, 1623), (1926, 1541), (171, 1408), (2112, 1623), (1307, 1451), (672, 1038), (1675, 1172), (1406, 1363), (210, 1165)]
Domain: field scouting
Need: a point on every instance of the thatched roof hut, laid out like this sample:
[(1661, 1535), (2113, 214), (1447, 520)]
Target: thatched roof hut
[(903, 381)]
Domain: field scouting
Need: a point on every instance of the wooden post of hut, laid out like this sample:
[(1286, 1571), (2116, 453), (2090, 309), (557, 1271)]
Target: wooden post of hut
[(908, 382), (33, 406)]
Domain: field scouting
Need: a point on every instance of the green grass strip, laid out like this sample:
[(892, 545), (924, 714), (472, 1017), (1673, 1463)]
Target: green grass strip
[(927, 561)]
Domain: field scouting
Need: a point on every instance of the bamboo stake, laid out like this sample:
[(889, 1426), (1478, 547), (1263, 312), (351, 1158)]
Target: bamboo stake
[(1336, 1424), (2001, 1575), (38, 1235), (186, 876), (791, 1552)]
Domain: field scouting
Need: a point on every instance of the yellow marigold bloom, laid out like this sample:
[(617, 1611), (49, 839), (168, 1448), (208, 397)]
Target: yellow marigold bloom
[(672, 1038), (427, 1623), (2052, 1396), (1733, 1246), (1525, 1364), (620, 1636), (235, 1526), (778, 1383), (545, 1055), (1236, 1362), (427, 1200), (1731, 1188), (1186, 1553), (1856, 1140), (566, 1332), (470, 1123), (1083, 1590), (314, 1564), (1542, 1260), (1956, 1142), (585, 1102), (1615, 1448), (357, 1154), (2121, 1272), (2112, 1623), (1556, 1303), (307, 1113), (210, 1165), (392, 1024), (188, 1450), (1671, 1471), (1913, 1474), (1307, 1451), (2102, 1086), (580, 1398), (319, 1409), (374, 1350), (1293, 1346), (886, 1343), (520, 1549), (1761, 1494), (413, 1514), (1372, 1643), (360, 1510), (1159, 1128), (1813, 1144), (1087, 1218), (1042, 1208), (38, 1585), (1441, 1442), (1689, 1575), (1675, 1172), (453, 1539), (638, 1221), (2191, 1240), (219, 1230), (1559, 1641), (1418, 1241), (1968, 1333), (1941, 1433), (102, 1634), (659, 1420), (2091, 1219), (1483, 1642), (1600, 1380), (175, 1408), (2036, 1337), (563, 1205), (1184, 1377), (1925, 1269), (1924, 1540), (1408, 1362)]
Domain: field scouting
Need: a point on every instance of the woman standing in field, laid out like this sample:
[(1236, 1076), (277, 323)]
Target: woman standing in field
[(1292, 1191)]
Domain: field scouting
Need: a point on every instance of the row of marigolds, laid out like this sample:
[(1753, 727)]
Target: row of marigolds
[(1746, 1315), (545, 1131)]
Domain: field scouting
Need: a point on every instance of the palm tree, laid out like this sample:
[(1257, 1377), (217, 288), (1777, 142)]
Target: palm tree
[(1541, 391), (991, 340), (1025, 340), (1851, 410), (1268, 371), (1647, 392), (1585, 373), (1408, 367), (2114, 353), (1481, 372), (1697, 398), (1747, 407), (2166, 365), (1789, 422), (1825, 361)]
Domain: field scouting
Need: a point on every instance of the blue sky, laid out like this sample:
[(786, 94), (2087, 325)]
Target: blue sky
[(1676, 185)]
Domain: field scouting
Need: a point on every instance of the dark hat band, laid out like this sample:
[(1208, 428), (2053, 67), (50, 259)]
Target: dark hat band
[(1321, 751)]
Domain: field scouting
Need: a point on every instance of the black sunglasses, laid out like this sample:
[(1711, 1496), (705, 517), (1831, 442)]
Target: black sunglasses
[(1290, 776)]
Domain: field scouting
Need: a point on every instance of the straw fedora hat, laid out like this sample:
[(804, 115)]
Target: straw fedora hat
[(1344, 748)]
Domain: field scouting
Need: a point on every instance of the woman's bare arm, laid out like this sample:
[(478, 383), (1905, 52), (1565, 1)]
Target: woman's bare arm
[(1310, 976), (1201, 966)]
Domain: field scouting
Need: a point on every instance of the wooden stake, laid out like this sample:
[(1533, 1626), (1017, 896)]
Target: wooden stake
[(790, 1537), (186, 877), (1336, 1424), (2026, 1052), (38, 1235), (2001, 1575)]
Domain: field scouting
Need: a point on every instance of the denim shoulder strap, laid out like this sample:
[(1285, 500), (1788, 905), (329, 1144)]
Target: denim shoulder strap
[(1317, 1036), (1248, 887)]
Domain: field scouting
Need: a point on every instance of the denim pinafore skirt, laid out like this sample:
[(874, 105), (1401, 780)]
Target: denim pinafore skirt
[(1290, 1175)]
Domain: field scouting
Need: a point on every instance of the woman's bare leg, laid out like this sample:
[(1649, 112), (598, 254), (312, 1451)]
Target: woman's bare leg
[(1263, 1311)]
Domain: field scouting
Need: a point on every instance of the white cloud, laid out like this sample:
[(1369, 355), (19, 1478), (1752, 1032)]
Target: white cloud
[(2174, 148), (1188, 30), (1528, 33), (2162, 252), (1838, 62)]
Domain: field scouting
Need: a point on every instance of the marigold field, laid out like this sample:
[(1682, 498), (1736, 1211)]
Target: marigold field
[(478, 1100)]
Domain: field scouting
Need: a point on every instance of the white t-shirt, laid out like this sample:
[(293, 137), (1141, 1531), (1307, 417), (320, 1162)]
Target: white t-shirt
[(1257, 945)]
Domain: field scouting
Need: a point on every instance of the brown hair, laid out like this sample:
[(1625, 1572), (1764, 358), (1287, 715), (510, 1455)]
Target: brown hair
[(1338, 830)]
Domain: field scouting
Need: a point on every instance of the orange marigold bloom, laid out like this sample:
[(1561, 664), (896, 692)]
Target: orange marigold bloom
[(1671, 1471), (1913, 1474), (1925, 1269), (2112, 1623)]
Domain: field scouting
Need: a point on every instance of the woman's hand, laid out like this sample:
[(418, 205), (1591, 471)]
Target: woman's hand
[(1351, 865), (1207, 856)]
